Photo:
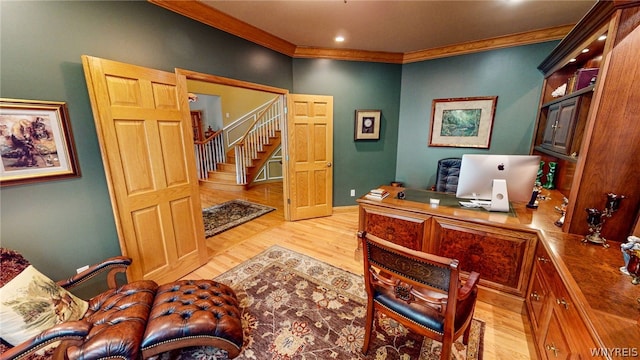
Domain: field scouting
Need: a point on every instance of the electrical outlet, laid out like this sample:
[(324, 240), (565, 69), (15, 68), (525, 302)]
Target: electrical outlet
[(353, 192), (81, 269)]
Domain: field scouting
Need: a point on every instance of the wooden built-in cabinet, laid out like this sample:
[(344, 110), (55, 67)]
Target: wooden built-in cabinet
[(558, 329), (577, 299), (564, 123), (592, 132)]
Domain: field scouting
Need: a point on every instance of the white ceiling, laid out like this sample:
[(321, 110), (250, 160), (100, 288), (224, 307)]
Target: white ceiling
[(400, 26)]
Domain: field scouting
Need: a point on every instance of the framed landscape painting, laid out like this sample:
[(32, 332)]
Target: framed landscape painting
[(36, 142), (462, 122)]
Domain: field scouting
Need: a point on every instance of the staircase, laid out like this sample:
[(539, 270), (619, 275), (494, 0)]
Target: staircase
[(235, 168)]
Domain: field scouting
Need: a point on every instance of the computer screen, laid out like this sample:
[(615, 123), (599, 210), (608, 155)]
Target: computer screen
[(478, 172)]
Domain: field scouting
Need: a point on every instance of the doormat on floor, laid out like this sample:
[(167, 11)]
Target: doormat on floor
[(296, 307), (222, 217)]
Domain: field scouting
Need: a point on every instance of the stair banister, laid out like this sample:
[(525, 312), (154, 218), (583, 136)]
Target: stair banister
[(251, 143), (265, 127), (209, 152)]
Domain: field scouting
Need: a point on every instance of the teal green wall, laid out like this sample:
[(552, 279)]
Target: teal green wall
[(511, 74), (62, 225), (360, 165)]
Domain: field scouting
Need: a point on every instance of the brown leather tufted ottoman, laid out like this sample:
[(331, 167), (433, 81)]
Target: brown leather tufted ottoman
[(193, 313)]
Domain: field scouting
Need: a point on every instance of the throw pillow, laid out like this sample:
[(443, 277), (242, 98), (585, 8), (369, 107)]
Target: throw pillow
[(32, 303)]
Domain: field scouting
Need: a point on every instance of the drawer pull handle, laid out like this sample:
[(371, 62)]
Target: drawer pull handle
[(534, 295), (543, 259), (563, 302), (553, 348)]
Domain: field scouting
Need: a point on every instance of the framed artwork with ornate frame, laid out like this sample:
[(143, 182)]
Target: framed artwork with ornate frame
[(36, 143), (463, 122), (367, 124)]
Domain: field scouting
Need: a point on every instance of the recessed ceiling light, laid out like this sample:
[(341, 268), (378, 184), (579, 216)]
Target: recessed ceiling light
[(572, 60), (339, 38), (584, 51), (602, 37)]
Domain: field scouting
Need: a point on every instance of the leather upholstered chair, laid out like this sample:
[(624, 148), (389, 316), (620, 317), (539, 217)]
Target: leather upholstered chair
[(447, 175), (112, 326), (420, 291), (136, 320)]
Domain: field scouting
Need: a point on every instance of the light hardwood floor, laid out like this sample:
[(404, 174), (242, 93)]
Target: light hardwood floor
[(332, 239)]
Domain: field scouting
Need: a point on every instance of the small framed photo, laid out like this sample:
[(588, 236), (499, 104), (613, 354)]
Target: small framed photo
[(367, 125), (36, 143), (463, 122)]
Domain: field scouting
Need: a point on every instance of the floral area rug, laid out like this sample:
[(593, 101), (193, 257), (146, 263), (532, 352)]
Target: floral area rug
[(296, 307), (221, 217)]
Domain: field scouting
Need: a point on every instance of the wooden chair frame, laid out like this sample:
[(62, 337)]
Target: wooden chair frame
[(426, 283)]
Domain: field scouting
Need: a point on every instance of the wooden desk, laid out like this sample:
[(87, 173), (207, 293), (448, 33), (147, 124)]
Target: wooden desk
[(499, 246), (574, 293)]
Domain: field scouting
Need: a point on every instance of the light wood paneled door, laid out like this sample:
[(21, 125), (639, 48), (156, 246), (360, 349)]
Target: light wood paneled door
[(144, 129), (310, 157)]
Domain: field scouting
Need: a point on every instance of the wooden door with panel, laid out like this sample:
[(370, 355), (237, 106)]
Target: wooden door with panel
[(144, 130), (310, 156)]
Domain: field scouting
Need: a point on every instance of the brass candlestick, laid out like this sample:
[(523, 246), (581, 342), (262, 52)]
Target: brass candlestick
[(595, 219)]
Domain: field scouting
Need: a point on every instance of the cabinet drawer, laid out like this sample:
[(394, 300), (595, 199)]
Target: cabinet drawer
[(574, 326), (556, 343), (566, 335), (543, 261), (538, 302)]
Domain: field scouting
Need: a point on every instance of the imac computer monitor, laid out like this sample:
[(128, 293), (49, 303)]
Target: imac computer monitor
[(491, 181)]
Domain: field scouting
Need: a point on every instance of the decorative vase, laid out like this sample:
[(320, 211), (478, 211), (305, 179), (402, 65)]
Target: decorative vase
[(540, 173), (550, 176)]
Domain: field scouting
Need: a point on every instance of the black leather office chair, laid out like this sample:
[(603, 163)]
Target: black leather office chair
[(447, 176)]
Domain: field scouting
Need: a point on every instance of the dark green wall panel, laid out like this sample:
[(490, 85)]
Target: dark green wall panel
[(62, 225), (359, 165), (511, 74)]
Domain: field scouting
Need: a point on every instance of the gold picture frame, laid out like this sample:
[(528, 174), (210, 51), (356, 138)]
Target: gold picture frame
[(367, 124), (36, 143), (463, 122)]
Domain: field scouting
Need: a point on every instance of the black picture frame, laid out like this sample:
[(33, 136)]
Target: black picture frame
[(367, 124)]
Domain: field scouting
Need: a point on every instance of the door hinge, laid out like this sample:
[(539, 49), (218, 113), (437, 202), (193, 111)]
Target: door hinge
[(288, 201)]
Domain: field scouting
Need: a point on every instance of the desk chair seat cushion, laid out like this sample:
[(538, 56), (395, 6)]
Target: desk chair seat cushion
[(425, 316)]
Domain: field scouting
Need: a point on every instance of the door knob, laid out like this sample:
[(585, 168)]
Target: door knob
[(328, 164)]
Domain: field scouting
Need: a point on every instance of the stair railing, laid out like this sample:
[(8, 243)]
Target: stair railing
[(263, 128), (209, 153)]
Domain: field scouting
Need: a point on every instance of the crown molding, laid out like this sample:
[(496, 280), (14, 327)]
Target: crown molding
[(347, 54), (198, 11), (525, 38), (205, 14)]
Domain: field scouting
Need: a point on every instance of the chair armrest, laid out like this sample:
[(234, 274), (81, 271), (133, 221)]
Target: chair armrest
[(469, 286), (70, 330), (114, 265)]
